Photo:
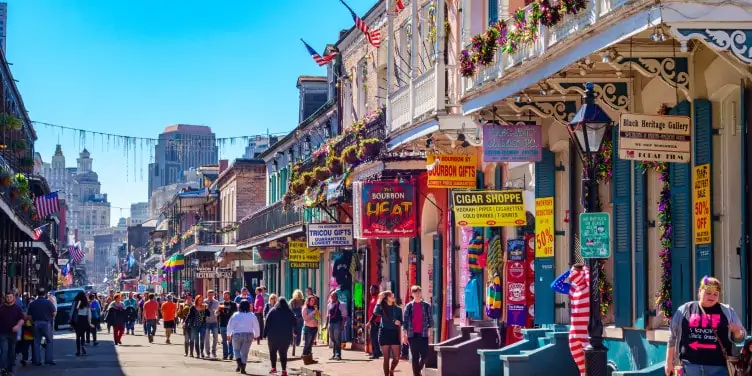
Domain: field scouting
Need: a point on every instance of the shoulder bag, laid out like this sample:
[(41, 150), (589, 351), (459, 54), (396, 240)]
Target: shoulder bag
[(732, 362)]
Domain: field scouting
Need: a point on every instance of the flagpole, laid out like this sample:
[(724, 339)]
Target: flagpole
[(389, 64)]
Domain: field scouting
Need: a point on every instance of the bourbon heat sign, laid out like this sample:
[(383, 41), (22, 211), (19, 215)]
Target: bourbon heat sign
[(388, 210)]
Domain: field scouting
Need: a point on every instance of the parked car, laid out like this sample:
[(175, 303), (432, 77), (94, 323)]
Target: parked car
[(64, 303)]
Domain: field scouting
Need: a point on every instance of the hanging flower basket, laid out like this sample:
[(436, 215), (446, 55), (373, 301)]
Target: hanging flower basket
[(298, 187), (335, 166), (287, 199), (15, 193), (19, 146), (350, 154), (321, 173), (370, 148), (4, 178), (307, 177), (27, 162), (10, 122)]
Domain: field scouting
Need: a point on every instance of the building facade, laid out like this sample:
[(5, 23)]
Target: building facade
[(139, 213), (179, 148)]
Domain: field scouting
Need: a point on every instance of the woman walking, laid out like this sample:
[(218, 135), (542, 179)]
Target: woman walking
[(310, 328), (116, 317), (296, 305), (259, 309), (242, 329), (80, 321), (690, 346), (278, 332), (336, 316), (196, 321), (389, 332)]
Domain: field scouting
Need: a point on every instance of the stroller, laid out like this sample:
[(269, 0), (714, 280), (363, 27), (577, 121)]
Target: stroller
[(130, 320)]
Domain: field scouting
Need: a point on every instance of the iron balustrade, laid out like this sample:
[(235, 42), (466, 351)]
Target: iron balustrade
[(268, 220)]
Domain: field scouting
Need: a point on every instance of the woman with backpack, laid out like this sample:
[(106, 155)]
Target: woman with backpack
[(80, 321)]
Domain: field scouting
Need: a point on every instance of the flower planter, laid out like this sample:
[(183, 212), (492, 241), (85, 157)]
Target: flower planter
[(307, 177), (4, 180), (335, 166), (321, 173), (298, 187), (14, 194), (350, 154), (370, 149)]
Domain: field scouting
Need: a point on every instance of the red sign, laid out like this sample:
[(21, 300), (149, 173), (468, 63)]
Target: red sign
[(514, 334), (516, 271), (388, 210)]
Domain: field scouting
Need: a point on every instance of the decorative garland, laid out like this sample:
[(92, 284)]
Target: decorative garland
[(526, 24)]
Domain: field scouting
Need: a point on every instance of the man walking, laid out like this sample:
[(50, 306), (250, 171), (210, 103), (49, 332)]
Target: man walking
[(226, 310), (151, 312), (212, 325), (243, 296), (169, 309), (11, 321), (42, 313), (131, 306), (417, 320)]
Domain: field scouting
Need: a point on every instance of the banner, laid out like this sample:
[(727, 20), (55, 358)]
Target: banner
[(452, 170), (655, 138), (701, 187), (516, 314), (388, 210), (301, 256), (516, 250), (266, 255), (329, 234), (544, 227), (489, 208), (512, 143)]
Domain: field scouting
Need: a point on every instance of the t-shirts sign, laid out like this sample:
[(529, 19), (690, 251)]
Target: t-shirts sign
[(329, 234)]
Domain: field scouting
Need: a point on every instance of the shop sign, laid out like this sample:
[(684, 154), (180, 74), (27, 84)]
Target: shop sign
[(62, 262), (489, 208), (452, 170), (512, 143), (595, 235), (335, 191), (655, 138), (388, 210), (329, 234), (516, 249), (204, 273), (701, 185), (303, 257), (544, 227), (516, 314), (266, 255)]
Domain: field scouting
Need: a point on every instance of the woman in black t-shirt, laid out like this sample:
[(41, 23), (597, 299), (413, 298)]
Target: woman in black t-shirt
[(703, 332)]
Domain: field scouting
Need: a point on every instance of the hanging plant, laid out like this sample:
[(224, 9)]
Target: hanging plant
[(350, 154), (313, 183), (298, 187), (307, 177), (467, 65), (27, 204), (287, 199), (334, 164), (321, 173), (572, 6), (370, 148), (4, 177), (550, 13), (27, 162), (19, 146), (21, 183), (10, 122)]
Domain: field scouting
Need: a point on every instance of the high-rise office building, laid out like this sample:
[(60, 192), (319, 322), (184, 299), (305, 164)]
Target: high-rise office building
[(181, 147), (3, 24), (258, 144)]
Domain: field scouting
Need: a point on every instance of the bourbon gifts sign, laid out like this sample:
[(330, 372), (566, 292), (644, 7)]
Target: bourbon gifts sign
[(388, 210)]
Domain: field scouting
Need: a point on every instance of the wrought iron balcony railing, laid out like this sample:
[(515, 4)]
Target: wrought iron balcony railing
[(270, 219)]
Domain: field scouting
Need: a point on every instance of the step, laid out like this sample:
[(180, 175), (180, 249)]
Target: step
[(654, 370)]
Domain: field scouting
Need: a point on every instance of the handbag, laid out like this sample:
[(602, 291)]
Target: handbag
[(732, 362)]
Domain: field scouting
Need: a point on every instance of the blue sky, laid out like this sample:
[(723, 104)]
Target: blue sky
[(133, 67)]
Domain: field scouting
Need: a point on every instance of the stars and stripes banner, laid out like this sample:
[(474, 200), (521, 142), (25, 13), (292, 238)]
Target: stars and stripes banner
[(38, 231), (320, 60), (47, 204), (76, 253), (372, 36)]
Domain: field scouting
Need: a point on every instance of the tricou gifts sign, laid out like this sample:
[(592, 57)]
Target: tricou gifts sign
[(388, 210), (329, 234)]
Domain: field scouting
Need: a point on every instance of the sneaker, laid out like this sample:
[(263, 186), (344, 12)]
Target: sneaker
[(337, 357), (284, 373), (273, 371)]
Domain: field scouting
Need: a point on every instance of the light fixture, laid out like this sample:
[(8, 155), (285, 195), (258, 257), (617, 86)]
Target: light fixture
[(517, 98), (307, 144), (658, 35), (429, 143), (436, 162), (589, 124), (543, 90)]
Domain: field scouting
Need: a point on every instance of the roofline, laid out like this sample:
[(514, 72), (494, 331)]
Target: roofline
[(322, 110)]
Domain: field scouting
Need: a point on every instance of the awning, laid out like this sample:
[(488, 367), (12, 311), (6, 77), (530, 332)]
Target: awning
[(273, 236), (198, 248), (39, 245), (152, 259)]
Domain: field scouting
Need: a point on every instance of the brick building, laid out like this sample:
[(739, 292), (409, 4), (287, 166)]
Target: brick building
[(242, 191)]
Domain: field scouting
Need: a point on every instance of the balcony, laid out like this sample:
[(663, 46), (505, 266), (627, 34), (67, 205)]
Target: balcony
[(541, 41), (269, 223), (425, 100)]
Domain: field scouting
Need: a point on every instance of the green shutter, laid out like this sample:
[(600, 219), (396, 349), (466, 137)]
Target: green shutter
[(622, 207), (545, 186), (681, 216), (743, 245), (493, 11), (283, 186), (703, 153), (641, 248)]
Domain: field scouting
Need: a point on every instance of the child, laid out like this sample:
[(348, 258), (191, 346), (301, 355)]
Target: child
[(25, 340)]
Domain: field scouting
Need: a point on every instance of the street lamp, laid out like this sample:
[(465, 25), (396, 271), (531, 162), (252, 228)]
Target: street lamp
[(587, 129)]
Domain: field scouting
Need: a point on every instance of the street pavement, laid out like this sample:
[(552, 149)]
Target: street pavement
[(137, 357)]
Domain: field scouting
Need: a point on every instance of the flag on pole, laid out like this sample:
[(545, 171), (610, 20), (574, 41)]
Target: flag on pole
[(321, 61), (77, 255), (399, 6), (38, 231), (47, 204), (372, 36)]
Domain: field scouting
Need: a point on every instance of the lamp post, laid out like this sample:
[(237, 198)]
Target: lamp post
[(587, 129)]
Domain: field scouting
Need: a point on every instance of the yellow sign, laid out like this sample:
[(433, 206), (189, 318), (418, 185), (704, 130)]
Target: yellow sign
[(452, 170), (489, 208), (302, 257), (701, 185), (544, 227)]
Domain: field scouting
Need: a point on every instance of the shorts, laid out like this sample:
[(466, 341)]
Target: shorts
[(169, 324), (389, 337)]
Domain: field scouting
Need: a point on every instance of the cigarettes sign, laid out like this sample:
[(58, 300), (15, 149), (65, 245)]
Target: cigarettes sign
[(330, 234), (489, 208), (656, 138)]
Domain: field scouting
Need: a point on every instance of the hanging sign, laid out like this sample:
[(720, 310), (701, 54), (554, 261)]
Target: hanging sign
[(595, 235), (516, 249), (329, 234), (655, 138), (388, 210), (701, 180), (452, 170), (512, 143), (303, 257), (489, 208), (266, 255), (544, 227)]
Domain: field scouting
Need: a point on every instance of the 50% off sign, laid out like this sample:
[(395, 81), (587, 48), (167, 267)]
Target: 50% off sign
[(702, 215)]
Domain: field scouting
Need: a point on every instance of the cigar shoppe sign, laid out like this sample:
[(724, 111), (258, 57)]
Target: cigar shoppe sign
[(388, 210)]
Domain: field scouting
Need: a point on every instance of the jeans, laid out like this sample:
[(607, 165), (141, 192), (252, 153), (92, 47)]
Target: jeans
[(309, 335), (226, 345), (23, 347), (42, 329), (297, 331), (335, 335), (197, 340), (701, 370), (280, 349), (374, 334), (418, 352), (92, 332), (8, 351), (188, 335), (212, 331), (241, 345), (151, 327)]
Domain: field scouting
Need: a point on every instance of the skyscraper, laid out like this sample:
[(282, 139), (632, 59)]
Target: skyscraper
[(179, 148), (3, 24), (257, 145)]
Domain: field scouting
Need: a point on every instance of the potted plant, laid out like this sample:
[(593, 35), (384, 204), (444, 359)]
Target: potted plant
[(4, 177), (350, 154), (321, 173), (19, 146), (307, 177), (298, 187), (27, 162), (370, 148), (26, 203), (335, 165), (22, 184), (10, 122)]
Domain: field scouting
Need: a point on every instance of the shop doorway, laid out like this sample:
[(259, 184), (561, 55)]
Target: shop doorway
[(251, 280)]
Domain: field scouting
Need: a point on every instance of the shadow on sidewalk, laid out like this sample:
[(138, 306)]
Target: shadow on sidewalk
[(101, 358)]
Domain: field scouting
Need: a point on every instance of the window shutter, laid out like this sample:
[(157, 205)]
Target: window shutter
[(545, 186), (641, 248), (493, 11), (744, 244), (622, 231), (703, 153), (681, 225)]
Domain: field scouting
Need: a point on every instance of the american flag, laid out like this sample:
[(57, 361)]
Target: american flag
[(399, 6), (372, 36), (76, 254), (38, 231), (321, 61), (47, 204)]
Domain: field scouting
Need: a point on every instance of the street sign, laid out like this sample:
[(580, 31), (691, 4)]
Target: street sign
[(595, 235), (62, 262)]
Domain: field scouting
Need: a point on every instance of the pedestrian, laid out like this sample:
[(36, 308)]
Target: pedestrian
[(389, 332), (374, 322), (703, 333), (196, 320), (310, 328), (169, 308), (212, 324), (80, 321), (278, 331), (96, 313), (184, 311), (26, 341), (268, 306), (242, 329), (104, 315), (416, 322), (151, 316), (131, 308), (42, 311), (243, 296), (226, 310), (116, 318), (296, 305), (336, 316), (11, 322), (259, 308)]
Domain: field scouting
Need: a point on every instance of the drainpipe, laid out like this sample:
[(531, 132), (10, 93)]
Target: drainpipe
[(393, 248)]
